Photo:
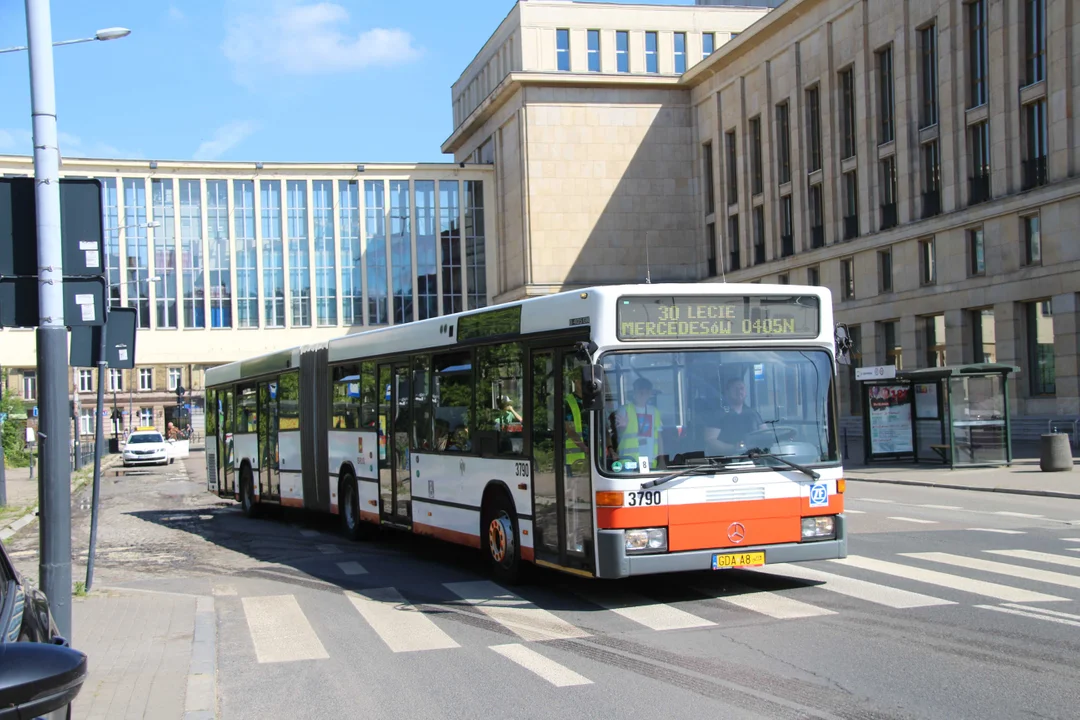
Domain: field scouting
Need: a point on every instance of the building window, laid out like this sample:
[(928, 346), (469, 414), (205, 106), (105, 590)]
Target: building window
[(622, 51), (931, 194), (813, 276), (885, 94), (650, 52), (977, 52), (146, 379), (885, 284), (401, 251), (708, 44), (928, 80), (427, 251), (756, 179), (734, 241), (562, 49), (783, 144), (164, 212), (593, 48), (976, 252), (851, 205), (450, 244), (927, 262), (322, 206), (759, 235), (217, 245), (135, 249), (247, 254), (847, 112), (110, 226), (1032, 247), (299, 255), (813, 125), (891, 345), (273, 258), (174, 380), (29, 386), (86, 421), (710, 249), (710, 190), (146, 417), (1035, 145), (375, 253), (732, 170), (680, 52), (817, 217), (787, 227), (934, 328), (979, 138), (982, 336), (475, 245), (783, 279), (191, 254), (85, 380), (116, 380), (1035, 39), (847, 278), (1040, 332), (352, 295), (888, 193)]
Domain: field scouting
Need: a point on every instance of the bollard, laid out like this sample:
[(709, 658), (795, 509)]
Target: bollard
[(1055, 453)]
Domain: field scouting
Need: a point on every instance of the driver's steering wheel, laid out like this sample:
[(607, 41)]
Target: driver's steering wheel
[(779, 433)]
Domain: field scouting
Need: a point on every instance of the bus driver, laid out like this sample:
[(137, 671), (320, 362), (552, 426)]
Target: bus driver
[(726, 428)]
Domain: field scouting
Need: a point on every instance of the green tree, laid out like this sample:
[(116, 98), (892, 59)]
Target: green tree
[(13, 433)]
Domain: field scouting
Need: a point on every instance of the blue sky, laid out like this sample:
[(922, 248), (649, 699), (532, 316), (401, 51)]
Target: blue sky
[(270, 80)]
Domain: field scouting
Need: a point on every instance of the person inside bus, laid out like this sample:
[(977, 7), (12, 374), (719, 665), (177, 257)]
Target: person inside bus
[(638, 426), (576, 429), (726, 428)]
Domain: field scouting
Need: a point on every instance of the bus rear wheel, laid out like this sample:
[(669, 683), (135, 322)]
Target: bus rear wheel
[(499, 538), (350, 508), (247, 493)]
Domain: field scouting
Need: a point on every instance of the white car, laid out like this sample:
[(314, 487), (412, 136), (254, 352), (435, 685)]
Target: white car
[(146, 447)]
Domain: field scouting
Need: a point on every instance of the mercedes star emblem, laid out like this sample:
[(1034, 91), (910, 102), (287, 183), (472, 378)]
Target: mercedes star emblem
[(736, 533)]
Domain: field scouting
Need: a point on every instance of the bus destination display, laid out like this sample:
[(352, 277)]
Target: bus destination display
[(718, 318)]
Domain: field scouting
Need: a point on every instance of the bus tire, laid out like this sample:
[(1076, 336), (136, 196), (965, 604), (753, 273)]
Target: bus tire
[(247, 493), (500, 538), (349, 493)]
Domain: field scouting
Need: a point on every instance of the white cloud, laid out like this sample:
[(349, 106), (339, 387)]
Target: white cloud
[(305, 39), (225, 139), (16, 141)]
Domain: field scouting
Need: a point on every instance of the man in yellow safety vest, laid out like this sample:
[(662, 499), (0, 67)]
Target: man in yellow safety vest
[(638, 425), (576, 443)]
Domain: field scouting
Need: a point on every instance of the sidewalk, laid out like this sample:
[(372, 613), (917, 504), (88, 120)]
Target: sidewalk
[(1023, 478), (22, 494)]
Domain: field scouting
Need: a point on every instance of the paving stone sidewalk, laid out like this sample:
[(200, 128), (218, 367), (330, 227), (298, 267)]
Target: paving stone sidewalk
[(1024, 477)]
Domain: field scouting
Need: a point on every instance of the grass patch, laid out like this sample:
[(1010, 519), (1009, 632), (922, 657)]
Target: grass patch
[(10, 513), (80, 589)]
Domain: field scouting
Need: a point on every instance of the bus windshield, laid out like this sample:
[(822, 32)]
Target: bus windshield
[(668, 409)]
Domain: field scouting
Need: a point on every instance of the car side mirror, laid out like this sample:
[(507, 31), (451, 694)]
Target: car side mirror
[(38, 678), (592, 387)]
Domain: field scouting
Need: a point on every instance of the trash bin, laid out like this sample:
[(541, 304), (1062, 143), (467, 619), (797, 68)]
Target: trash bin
[(114, 446), (1055, 453)]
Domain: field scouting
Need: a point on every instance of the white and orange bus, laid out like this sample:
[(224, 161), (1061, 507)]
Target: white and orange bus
[(607, 432)]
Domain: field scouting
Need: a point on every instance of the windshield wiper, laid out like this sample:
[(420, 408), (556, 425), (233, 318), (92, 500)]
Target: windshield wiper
[(710, 464), (755, 453)]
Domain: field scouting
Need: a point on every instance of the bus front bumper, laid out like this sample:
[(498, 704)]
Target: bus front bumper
[(612, 560)]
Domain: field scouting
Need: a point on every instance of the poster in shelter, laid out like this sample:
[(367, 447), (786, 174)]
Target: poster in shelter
[(890, 419)]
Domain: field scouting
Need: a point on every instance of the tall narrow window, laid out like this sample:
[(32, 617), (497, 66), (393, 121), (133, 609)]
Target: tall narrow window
[(928, 80), (146, 379), (707, 169), (759, 235), (734, 243), (1035, 40), (110, 224), (847, 278), (732, 171), (979, 143), (29, 385), (217, 246), (165, 252), (116, 380), (710, 247), (475, 247), (352, 283), (934, 327), (927, 262), (650, 53), (885, 94), (847, 112), (1035, 145), (983, 336), (135, 249), (322, 192), (817, 217), (708, 44), (783, 144), (931, 180), (562, 49), (247, 254), (622, 51), (191, 254), (375, 251), (427, 251), (401, 250), (273, 255), (1032, 240), (593, 47), (299, 254), (450, 245), (978, 58), (813, 276), (893, 352), (756, 179), (1041, 357), (888, 193), (851, 205), (976, 252), (787, 227), (680, 52), (813, 129), (885, 283)]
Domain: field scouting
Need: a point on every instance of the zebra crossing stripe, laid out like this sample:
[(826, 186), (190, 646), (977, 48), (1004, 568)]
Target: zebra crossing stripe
[(1043, 611), (401, 626), (999, 531), (915, 520), (514, 613), (1008, 513), (954, 582), (280, 631), (1036, 616), (352, 568), (775, 606), (655, 616), (1044, 576), (1039, 557), (849, 511), (859, 589), (556, 674)]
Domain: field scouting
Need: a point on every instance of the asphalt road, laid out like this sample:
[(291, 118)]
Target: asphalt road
[(953, 604)]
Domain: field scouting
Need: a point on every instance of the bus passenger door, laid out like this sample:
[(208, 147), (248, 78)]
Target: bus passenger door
[(395, 401), (269, 479), (226, 472)]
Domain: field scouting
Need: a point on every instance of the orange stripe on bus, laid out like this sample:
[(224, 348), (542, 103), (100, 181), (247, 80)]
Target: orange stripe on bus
[(632, 517), (292, 502), (333, 509), (759, 531), (449, 535), (369, 516), (527, 554)]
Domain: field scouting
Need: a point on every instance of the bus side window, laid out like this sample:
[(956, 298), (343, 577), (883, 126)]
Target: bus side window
[(453, 401), (421, 400), (500, 390)]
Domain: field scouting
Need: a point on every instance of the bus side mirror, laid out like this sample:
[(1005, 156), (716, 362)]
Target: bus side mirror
[(592, 387)]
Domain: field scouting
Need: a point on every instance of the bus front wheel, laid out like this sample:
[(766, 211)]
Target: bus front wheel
[(350, 507), (247, 493), (499, 537)]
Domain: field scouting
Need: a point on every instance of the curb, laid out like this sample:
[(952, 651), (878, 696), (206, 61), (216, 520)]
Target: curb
[(14, 527), (953, 486)]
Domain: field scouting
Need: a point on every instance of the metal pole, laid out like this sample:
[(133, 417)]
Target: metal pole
[(54, 476), (3, 470), (98, 436)]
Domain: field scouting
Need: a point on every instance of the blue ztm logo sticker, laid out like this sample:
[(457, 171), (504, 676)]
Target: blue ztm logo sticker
[(819, 495)]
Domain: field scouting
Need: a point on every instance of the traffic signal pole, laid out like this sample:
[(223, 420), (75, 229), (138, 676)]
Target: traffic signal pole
[(54, 476)]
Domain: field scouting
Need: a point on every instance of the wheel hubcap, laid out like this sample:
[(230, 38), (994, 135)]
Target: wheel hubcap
[(501, 539)]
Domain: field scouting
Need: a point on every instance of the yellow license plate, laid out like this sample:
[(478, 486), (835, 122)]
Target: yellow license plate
[(736, 560)]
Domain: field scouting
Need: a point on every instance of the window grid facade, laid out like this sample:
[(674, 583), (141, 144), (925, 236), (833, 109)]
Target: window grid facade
[(978, 57), (783, 144), (757, 181), (562, 49), (110, 224), (191, 254), (593, 47), (427, 251), (401, 250), (164, 213), (136, 249), (622, 51), (708, 44), (247, 254), (322, 203), (847, 112), (450, 245), (299, 253), (1035, 40), (475, 248), (928, 79), (273, 255), (886, 101), (651, 65), (375, 251), (813, 129), (680, 52), (217, 244), (352, 294)]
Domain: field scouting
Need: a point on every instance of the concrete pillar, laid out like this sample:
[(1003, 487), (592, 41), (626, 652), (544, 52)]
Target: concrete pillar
[(910, 342), (1009, 337), (957, 337), (1066, 310)]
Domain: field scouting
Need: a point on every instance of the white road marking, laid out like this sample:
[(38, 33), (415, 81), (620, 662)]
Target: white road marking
[(352, 568), (655, 616), (223, 590), (329, 549), (942, 507), (556, 674), (280, 631), (1044, 576), (915, 520), (1036, 616), (1070, 539), (775, 606), (955, 582), (888, 502), (999, 530), (1016, 514), (1039, 557), (401, 626), (1043, 611), (514, 613), (871, 592), (849, 511)]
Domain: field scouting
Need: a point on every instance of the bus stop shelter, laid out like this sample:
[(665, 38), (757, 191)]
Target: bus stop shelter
[(957, 414)]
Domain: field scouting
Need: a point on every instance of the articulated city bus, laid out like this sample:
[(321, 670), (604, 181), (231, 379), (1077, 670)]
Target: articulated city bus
[(607, 432)]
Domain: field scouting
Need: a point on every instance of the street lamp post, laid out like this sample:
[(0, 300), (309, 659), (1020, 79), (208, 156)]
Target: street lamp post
[(114, 33)]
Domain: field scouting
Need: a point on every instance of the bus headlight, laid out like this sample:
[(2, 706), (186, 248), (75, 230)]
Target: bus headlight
[(646, 540), (819, 528)]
